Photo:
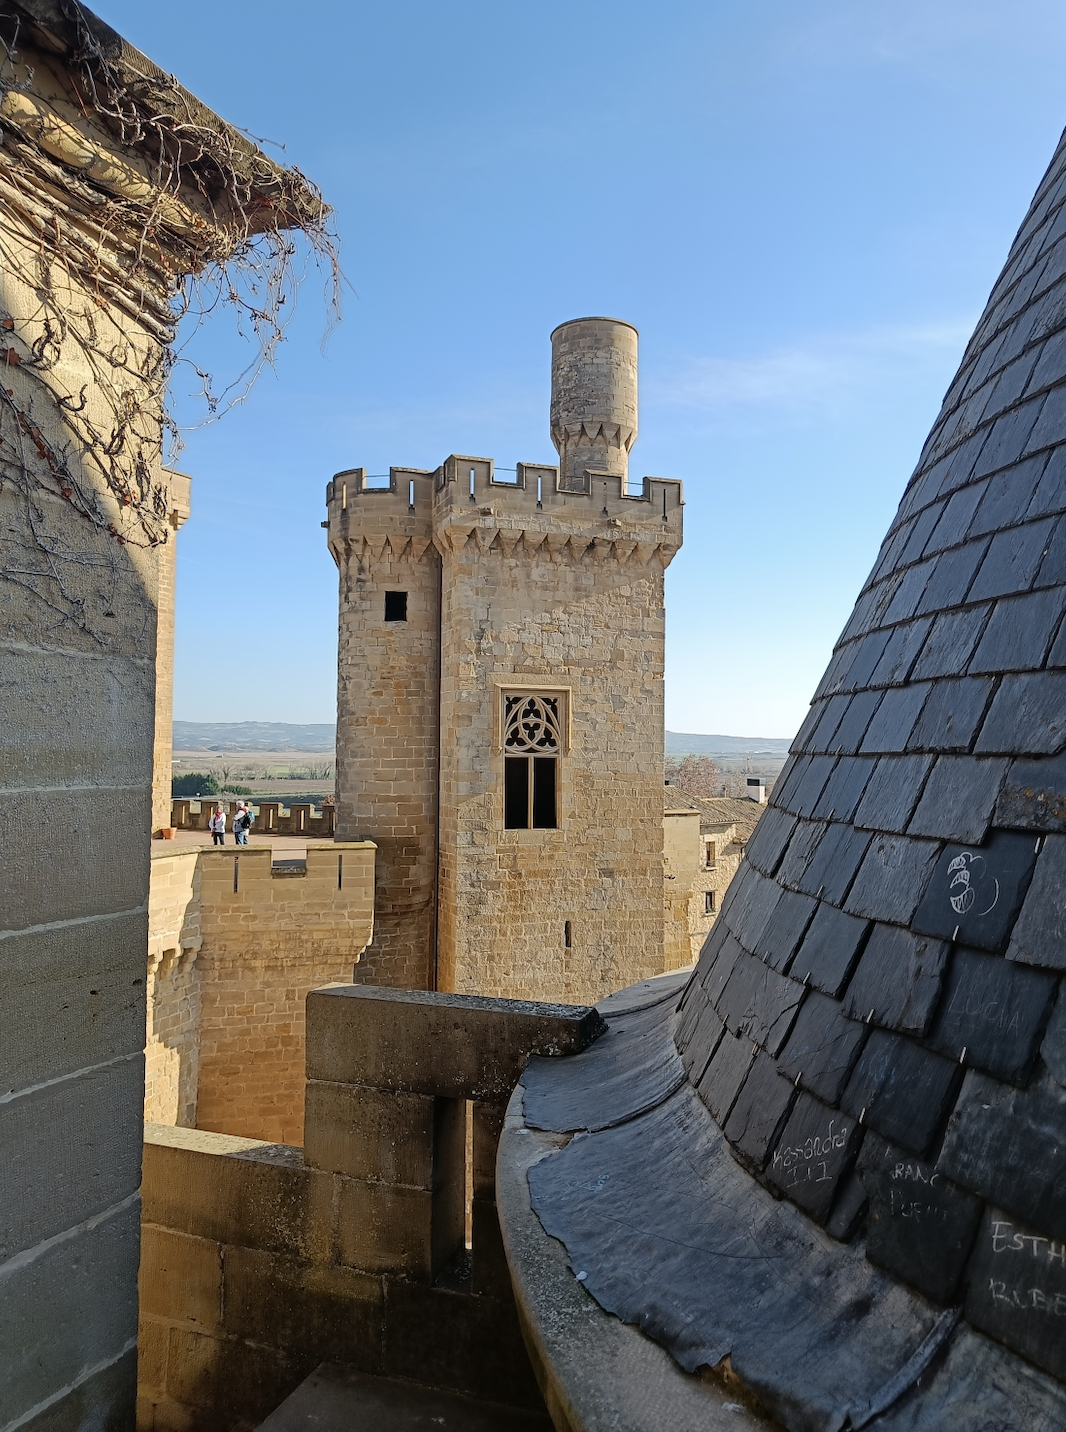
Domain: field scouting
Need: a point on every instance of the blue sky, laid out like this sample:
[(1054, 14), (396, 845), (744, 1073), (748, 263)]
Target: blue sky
[(801, 207)]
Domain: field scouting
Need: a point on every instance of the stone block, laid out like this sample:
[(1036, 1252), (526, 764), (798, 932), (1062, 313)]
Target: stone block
[(455, 1046), (332, 1313), (106, 1398), (181, 1277), (438, 1337), (976, 892), (901, 1090), (76, 1143), (822, 1048), (814, 1154), (487, 1126), (369, 1133), (385, 1228), (993, 1014), (921, 1226), (897, 981), (1017, 1290), (237, 1191), (830, 949), (51, 830), (1009, 1146), (68, 1310), (489, 1275)]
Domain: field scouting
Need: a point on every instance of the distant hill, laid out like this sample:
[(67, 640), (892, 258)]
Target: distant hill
[(682, 743), (284, 736), (253, 736)]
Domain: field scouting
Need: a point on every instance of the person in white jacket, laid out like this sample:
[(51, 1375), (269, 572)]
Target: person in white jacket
[(217, 825)]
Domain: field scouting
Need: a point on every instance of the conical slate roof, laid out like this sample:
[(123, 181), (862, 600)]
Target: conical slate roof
[(876, 1023)]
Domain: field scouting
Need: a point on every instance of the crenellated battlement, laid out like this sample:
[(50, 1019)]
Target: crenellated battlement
[(466, 498)]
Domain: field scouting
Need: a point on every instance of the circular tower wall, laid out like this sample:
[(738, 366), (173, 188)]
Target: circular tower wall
[(594, 398)]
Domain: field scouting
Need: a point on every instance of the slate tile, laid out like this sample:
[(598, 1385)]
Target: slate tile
[(921, 531), (1057, 654), (815, 1152), (822, 1047), (700, 1043), (844, 788), (976, 891), (834, 675), (868, 651), (801, 742), (1019, 631), (758, 1113), (1017, 1290), (995, 1011), (1050, 427), (951, 715), (721, 1081), (1050, 494), (1011, 384), (891, 878), (803, 796), (833, 864), (952, 576), (893, 792), (901, 1090), (759, 1003), (766, 846), (830, 714), (1012, 560), (786, 928), (804, 841), (741, 890), (691, 1005), (899, 655), (849, 1209), (1052, 571), (1050, 366), (830, 949), (790, 773), (920, 1226), (712, 945), (1006, 497), (1009, 1146), (717, 976), (1039, 934), (750, 911), (1006, 442), (1053, 1049), (956, 516), (898, 980), (895, 540), (1027, 715), (894, 720), (848, 736), (961, 464), (950, 643), (909, 592), (959, 798)]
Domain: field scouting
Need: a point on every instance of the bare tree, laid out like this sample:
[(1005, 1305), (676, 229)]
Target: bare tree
[(696, 775)]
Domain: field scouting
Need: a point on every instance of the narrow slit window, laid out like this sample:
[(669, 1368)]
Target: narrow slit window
[(395, 606), (708, 902), (568, 935)]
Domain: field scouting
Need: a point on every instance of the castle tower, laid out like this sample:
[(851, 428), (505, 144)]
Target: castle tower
[(500, 699)]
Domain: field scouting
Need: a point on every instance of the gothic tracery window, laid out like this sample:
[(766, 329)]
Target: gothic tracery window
[(532, 741)]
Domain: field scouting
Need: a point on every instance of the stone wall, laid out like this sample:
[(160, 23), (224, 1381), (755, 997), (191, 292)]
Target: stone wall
[(262, 1260), (388, 734), (686, 920), (180, 487), (235, 943)]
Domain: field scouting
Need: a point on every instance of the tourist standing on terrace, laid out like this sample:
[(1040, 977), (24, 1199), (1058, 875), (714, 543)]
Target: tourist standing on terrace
[(217, 825)]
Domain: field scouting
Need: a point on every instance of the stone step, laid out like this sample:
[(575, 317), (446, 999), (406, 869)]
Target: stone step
[(338, 1399)]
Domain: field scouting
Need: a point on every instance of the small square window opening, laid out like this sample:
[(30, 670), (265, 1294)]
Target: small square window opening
[(395, 606), (708, 902)]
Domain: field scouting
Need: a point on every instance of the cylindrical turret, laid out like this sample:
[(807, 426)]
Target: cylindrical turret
[(594, 398)]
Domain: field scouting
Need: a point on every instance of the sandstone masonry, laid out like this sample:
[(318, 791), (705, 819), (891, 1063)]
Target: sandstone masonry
[(500, 699)]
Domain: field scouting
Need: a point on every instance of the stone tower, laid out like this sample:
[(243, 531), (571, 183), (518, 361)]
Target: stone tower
[(500, 699)]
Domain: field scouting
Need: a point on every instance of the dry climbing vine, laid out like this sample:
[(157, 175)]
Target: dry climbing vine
[(109, 248)]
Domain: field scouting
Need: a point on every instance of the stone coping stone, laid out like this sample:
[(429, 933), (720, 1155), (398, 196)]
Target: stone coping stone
[(340, 1399)]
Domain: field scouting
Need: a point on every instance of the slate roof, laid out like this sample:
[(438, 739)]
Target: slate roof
[(876, 1028), (730, 810), (893, 946), (675, 801)]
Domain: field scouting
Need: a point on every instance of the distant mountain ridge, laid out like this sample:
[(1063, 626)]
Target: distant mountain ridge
[(253, 736), (321, 736), (682, 743)]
